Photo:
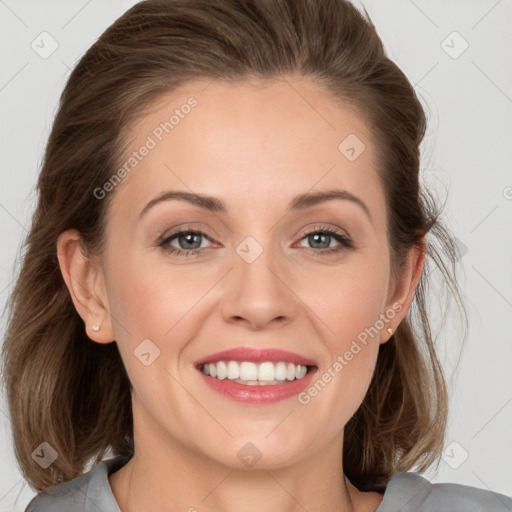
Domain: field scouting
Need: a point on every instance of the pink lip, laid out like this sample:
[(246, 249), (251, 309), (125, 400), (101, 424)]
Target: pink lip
[(256, 355), (258, 394)]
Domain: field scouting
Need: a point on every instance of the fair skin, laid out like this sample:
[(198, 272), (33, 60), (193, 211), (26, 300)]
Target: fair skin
[(255, 148)]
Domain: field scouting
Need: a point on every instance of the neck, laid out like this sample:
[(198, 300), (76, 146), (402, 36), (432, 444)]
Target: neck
[(179, 478)]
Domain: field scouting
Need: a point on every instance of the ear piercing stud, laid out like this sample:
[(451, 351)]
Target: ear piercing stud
[(390, 330), (95, 327)]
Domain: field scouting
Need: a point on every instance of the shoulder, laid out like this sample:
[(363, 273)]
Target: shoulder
[(89, 492), (410, 492)]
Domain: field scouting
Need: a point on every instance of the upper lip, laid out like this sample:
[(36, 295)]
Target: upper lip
[(256, 355)]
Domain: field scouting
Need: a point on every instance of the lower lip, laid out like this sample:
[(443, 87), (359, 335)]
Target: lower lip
[(258, 394)]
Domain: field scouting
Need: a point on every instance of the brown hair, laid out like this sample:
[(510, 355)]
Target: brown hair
[(66, 390)]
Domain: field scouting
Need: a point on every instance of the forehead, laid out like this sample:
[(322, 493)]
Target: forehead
[(244, 141)]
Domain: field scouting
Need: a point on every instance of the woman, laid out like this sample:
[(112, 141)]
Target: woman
[(218, 281)]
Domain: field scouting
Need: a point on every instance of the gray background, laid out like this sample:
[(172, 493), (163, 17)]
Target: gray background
[(467, 156)]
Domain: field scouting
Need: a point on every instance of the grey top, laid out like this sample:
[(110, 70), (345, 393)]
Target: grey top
[(405, 492)]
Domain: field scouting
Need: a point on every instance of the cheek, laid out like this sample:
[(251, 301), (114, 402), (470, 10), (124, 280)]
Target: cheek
[(347, 299), (342, 382), (153, 311), (349, 303), (153, 300)]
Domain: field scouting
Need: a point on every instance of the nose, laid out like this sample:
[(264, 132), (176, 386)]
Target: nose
[(257, 294)]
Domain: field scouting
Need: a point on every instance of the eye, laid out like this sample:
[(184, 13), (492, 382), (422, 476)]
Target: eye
[(322, 237), (188, 242)]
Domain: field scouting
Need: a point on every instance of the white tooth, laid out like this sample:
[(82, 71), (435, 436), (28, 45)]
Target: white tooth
[(222, 371), (290, 371), (252, 374), (266, 371), (280, 373), (301, 371), (233, 370), (248, 371)]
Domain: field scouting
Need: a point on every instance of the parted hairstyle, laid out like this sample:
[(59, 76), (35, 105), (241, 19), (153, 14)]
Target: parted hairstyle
[(74, 394)]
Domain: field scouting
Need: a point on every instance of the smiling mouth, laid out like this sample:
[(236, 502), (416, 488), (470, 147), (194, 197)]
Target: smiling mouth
[(256, 374)]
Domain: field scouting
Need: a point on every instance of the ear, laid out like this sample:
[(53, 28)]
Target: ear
[(403, 293), (86, 286)]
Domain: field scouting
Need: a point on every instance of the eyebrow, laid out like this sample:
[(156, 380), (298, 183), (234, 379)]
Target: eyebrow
[(216, 205)]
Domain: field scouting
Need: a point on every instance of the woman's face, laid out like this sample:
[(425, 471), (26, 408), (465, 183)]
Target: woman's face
[(261, 272)]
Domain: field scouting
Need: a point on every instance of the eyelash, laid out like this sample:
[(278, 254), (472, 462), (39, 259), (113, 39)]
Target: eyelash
[(345, 242)]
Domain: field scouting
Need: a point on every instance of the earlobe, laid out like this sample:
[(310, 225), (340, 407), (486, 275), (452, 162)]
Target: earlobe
[(82, 277)]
